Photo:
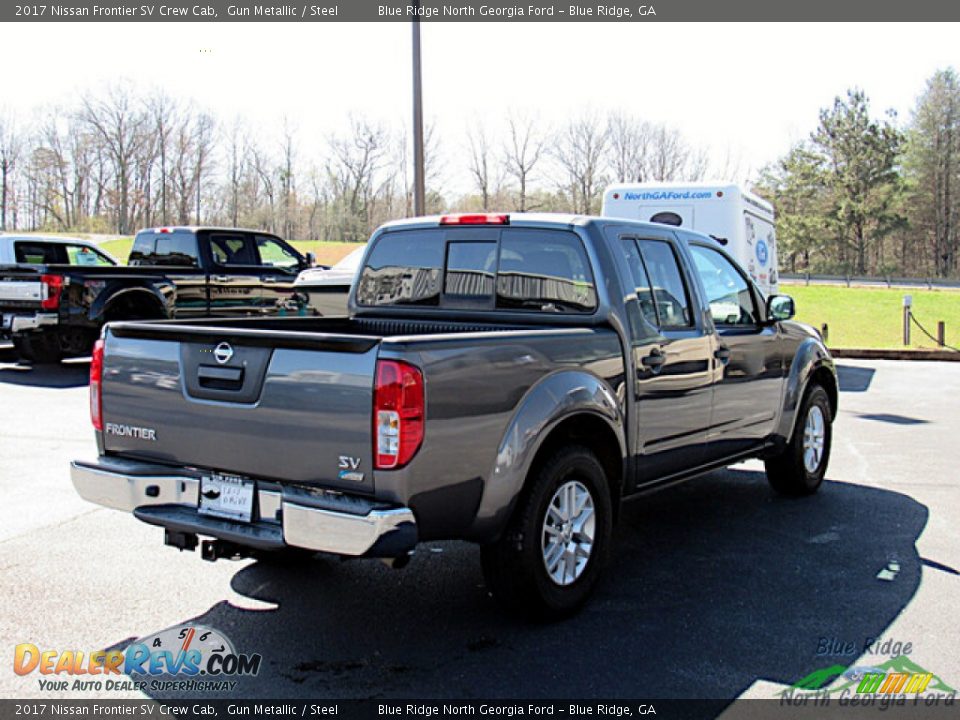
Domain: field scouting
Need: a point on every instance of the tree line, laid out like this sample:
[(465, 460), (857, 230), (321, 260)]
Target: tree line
[(861, 194), (120, 159), (866, 195)]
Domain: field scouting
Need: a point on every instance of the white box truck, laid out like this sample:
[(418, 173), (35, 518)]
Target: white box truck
[(739, 220)]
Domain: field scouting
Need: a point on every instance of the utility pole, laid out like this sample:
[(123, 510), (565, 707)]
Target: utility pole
[(419, 206)]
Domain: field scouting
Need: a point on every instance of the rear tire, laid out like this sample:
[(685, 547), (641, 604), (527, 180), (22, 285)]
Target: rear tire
[(38, 348), (552, 553), (800, 467)]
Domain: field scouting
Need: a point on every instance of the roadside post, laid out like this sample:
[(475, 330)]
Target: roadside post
[(419, 182), (941, 333), (907, 304)]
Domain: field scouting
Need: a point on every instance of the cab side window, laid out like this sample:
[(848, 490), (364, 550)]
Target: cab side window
[(274, 254), (641, 281), (670, 294), (83, 255), (233, 250), (728, 292)]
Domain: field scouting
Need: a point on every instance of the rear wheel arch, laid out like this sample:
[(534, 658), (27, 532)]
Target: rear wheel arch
[(592, 432), (133, 304)]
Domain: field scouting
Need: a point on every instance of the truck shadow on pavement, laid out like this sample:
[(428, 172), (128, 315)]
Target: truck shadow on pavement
[(712, 586), (69, 374)]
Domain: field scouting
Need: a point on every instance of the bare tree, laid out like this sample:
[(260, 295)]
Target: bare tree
[(262, 165), (162, 112), (628, 147), (119, 123), (483, 166), (522, 151), (11, 146), (237, 153), (287, 185), (354, 164), (204, 128), (579, 150)]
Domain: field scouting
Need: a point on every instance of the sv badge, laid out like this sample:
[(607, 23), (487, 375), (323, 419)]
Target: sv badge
[(349, 469)]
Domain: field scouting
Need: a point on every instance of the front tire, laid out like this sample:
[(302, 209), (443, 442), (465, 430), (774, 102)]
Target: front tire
[(800, 468), (552, 553)]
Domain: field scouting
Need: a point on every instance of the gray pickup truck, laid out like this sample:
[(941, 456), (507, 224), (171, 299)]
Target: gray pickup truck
[(503, 379)]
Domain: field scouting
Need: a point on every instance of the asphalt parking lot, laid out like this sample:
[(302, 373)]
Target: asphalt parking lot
[(717, 588)]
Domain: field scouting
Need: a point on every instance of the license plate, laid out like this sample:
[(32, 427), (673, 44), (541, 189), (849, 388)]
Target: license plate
[(227, 496)]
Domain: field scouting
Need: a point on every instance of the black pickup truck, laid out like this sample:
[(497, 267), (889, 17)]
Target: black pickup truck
[(52, 309), (503, 379)]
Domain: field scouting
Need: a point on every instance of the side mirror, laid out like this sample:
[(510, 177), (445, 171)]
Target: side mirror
[(311, 259), (780, 307)]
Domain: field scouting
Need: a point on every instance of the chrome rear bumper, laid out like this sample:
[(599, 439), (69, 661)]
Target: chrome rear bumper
[(23, 323), (285, 516)]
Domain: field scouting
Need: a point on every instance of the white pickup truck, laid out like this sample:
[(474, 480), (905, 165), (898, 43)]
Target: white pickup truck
[(22, 297)]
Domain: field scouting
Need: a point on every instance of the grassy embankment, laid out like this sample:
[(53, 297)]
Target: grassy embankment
[(857, 317), (860, 317)]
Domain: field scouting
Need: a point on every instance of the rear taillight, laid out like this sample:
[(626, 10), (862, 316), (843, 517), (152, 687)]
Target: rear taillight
[(398, 413), (96, 386), (50, 288)]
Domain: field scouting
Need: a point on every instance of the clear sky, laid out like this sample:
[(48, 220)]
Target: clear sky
[(753, 88)]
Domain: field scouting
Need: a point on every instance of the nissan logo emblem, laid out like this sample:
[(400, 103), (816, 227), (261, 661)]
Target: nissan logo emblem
[(222, 353)]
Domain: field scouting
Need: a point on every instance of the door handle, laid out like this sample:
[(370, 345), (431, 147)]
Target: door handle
[(722, 354), (268, 279), (219, 278), (654, 360)]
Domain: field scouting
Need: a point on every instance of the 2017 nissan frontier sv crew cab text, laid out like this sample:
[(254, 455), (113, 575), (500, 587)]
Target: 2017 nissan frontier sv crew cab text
[(503, 379)]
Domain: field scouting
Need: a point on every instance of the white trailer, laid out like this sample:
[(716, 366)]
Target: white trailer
[(739, 220)]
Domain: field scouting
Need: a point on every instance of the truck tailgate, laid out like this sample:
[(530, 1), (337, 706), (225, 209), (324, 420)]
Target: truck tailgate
[(20, 289), (289, 408)]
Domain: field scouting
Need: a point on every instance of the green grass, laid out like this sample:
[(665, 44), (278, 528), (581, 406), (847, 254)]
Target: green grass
[(119, 248), (861, 317)]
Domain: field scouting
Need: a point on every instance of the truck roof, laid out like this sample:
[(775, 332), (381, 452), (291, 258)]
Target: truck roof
[(47, 238), (202, 228), (537, 220)]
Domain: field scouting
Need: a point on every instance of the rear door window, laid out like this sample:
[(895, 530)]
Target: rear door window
[(641, 280), (669, 289), (233, 249), (38, 253)]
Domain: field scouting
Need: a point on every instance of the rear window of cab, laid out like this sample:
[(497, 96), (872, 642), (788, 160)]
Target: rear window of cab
[(524, 269)]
